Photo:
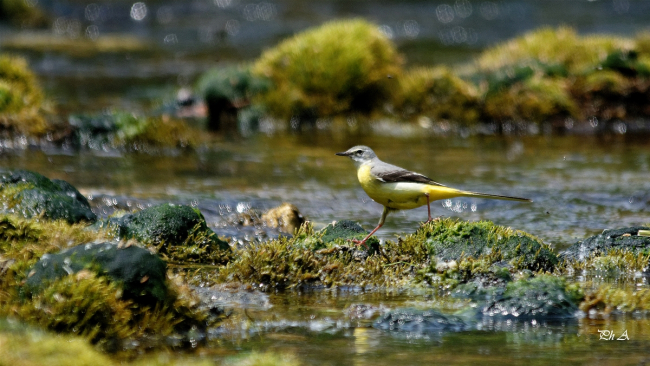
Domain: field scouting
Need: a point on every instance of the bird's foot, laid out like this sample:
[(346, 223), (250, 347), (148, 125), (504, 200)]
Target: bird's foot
[(358, 242), (432, 219)]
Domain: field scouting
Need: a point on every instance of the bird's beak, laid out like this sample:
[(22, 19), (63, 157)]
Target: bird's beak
[(344, 153)]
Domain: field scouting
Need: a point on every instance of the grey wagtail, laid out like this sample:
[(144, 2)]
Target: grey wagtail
[(399, 189)]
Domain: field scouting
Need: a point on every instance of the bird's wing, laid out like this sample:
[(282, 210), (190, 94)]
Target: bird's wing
[(388, 173)]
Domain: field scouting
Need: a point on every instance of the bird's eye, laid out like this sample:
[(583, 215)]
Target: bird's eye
[(358, 152)]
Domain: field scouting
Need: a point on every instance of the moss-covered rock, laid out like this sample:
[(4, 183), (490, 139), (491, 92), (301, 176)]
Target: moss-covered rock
[(30, 194), (140, 273), (620, 239), (535, 99), (21, 99), (128, 131), (340, 67), (544, 297), (449, 239), (179, 232), (438, 94), (341, 232)]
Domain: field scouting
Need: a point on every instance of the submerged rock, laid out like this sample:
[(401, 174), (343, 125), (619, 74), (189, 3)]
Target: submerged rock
[(421, 321), (178, 231), (141, 273), (623, 239), (30, 194), (544, 297)]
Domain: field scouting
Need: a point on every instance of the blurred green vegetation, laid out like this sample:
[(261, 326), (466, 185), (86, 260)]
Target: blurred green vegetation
[(23, 13), (341, 67), (21, 98), (437, 93), (347, 67)]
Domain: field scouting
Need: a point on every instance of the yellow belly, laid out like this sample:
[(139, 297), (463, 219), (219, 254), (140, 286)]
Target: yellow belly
[(402, 196)]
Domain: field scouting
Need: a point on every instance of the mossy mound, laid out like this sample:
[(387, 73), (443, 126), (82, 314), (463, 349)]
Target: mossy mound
[(140, 273), (340, 67), (327, 258), (179, 232), (554, 46), (535, 98), (449, 239), (112, 305), (21, 99), (551, 74), (128, 131), (30, 194), (436, 93), (626, 239)]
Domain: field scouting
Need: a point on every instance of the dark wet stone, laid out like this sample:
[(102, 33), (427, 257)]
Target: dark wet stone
[(623, 239), (177, 231), (421, 321), (473, 240), (167, 224), (37, 195), (544, 297), (141, 273)]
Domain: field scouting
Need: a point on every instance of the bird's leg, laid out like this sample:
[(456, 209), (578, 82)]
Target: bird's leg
[(381, 223), (428, 208)]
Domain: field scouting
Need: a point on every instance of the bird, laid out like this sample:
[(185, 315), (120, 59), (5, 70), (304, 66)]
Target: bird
[(400, 189)]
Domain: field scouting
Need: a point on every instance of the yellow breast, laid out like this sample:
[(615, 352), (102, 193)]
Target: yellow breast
[(402, 196)]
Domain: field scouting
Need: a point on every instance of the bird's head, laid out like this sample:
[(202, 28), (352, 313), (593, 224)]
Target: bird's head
[(359, 154)]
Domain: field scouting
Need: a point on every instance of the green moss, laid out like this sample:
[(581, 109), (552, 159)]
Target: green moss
[(436, 93), (178, 232), (340, 67), (534, 99), (164, 132), (605, 82), (551, 46), (298, 261), (30, 347), (451, 239), (21, 98), (129, 131), (616, 262), (607, 298), (25, 241)]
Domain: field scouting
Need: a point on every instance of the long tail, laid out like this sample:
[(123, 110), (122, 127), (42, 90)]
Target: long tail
[(495, 196), (440, 192)]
